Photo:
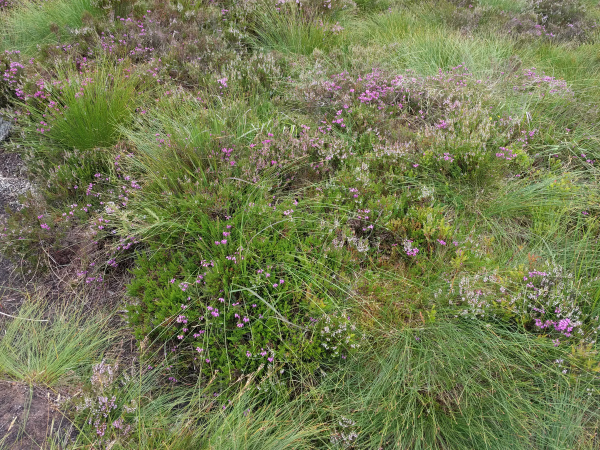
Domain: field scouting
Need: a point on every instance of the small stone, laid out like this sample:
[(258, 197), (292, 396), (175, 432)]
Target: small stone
[(5, 129)]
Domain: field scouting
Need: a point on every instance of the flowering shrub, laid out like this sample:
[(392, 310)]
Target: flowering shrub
[(232, 298), (344, 434), (429, 123), (315, 152), (460, 144), (546, 301), (559, 12), (259, 74), (13, 75), (551, 20), (103, 408)]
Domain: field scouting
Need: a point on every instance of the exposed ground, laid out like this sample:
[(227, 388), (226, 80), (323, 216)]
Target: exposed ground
[(28, 416), (12, 184)]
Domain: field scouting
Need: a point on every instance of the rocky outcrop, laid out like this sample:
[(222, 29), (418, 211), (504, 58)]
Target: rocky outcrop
[(13, 182)]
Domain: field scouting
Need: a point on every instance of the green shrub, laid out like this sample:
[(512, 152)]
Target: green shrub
[(232, 285)]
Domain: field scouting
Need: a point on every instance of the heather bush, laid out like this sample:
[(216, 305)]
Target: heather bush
[(216, 283), (163, 32), (555, 21), (104, 408), (458, 144), (13, 71), (547, 301), (559, 13), (430, 121), (229, 298)]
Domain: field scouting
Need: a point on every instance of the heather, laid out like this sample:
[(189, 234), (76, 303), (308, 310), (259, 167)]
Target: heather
[(319, 224)]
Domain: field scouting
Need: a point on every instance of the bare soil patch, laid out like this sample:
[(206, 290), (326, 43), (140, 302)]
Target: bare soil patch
[(28, 415)]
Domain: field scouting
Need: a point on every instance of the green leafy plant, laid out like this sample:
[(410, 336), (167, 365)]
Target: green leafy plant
[(229, 296)]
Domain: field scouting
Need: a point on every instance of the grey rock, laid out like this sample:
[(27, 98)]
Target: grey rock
[(5, 129), (13, 182), (10, 190)]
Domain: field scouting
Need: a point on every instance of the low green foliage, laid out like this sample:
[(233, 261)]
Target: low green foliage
[(230, 294)]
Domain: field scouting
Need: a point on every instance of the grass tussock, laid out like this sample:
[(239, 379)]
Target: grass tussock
[(29, 24), (52, 347)]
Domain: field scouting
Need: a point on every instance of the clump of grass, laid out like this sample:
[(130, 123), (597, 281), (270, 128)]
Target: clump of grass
[(247, 424), (462, 385), (32, 23), (51, 345), (428, 51), (86, 110), (289, 30), (73, 126), (416, 39), (384, 28), (192, 417), (441, 385)]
